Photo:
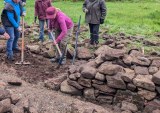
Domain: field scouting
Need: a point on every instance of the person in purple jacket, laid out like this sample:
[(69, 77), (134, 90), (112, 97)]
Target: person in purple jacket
[(63, 27), (40, 8)]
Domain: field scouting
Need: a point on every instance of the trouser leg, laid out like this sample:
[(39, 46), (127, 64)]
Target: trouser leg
[(41, 33)]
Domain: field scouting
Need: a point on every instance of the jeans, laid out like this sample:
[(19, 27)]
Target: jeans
[(12, 43), (94, 33), (41, 34)]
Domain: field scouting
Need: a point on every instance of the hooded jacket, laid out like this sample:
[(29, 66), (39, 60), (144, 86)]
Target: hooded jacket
[(40, 8), (96, 11), (61, 23), (11, 14)]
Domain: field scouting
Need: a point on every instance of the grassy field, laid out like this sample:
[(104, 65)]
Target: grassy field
[(132, 18)]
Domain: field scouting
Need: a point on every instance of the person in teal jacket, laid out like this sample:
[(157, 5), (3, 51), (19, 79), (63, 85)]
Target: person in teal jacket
[(11, 21)]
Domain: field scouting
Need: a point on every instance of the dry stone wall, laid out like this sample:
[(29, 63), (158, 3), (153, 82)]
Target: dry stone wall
[(129, 80)]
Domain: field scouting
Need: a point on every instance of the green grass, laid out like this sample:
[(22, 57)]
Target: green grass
[(131, 18)]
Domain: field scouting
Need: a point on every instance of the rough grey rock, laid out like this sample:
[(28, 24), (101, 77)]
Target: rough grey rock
[(110, 53), (88, 72), (109, 69), (129, 106), (148, 95), (54, 83), (15, 109), (74, 84), (153, 70), (65, 88), (156, 78), (84, 82), (129, 96), (104, 99), (15, 98), (34, 48), (144, 82), (72, 69), (5, 105), (104, 88), (128, 75), (94, 81), (158, 89), (100, 77), (74, 76), (141, 70), (115, 82), (131, 87), (151, 106), (83, 53), (92, 64), (89, 93), (4, 94), (156, 63)]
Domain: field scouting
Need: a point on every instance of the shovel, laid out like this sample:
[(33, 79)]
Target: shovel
[(22, 62), (59, 51)]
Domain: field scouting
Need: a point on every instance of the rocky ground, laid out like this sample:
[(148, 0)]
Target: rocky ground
[(18, 96), (113, 77)]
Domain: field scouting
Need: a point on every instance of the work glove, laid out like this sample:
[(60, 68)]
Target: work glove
[(23, 4), (85, 10), (19, 29), (35, 19), (24, 13), (101, 21)]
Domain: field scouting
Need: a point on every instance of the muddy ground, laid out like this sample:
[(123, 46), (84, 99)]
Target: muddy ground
[(42, 99)]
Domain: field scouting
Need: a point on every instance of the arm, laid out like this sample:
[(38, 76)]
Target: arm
[(63, 30), (35, 12), (24, 1), (84, 6), (49, 3), (103, 9), (12, 20), (36, 9)]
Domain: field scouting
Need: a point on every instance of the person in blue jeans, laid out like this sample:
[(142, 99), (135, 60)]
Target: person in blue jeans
[(11, 21), (40, 12)]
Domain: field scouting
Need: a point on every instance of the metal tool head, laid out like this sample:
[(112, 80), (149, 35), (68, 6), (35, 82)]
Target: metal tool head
[(22, 63)]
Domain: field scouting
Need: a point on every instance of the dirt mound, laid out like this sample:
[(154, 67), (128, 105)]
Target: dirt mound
[(40, 68)]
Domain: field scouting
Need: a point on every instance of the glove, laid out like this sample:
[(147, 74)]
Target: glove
[(23, 4), (24, 13), (35, 19), (85, 10), (101, 21), (19, 29)]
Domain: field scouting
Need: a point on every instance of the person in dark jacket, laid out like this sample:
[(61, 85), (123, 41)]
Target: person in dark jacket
[(11, 21), (40, 8), (95, 12), (2, 32)]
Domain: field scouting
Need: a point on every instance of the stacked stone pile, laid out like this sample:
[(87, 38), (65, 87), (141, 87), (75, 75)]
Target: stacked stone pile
[(10, 102), (117, 77)]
